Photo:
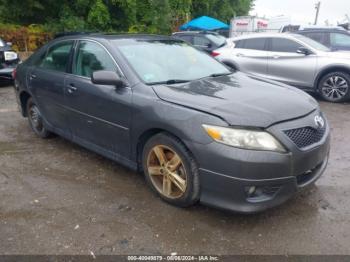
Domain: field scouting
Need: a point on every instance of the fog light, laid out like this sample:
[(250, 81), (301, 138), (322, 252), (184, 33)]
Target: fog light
[(250, 190), (261, 193)]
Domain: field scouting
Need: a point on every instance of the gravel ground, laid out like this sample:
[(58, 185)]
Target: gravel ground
[(58, 198)]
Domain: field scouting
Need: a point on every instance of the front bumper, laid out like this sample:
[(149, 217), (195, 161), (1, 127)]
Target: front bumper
[(232, 193), (6, 74), (251, 181), (6, 70)]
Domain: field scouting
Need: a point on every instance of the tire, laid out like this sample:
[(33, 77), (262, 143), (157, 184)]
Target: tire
[(36, 121), (178, 195), (335, 87)]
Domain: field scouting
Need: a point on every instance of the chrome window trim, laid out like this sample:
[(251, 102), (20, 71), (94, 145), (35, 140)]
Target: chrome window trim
[(77, 40), (110, 55)]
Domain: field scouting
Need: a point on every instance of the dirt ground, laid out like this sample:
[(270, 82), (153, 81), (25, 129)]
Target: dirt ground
[(58, 198)]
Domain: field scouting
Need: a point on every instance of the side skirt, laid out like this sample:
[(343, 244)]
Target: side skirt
[(92, 147)]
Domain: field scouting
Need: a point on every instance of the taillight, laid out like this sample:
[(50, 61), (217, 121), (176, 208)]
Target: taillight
[(14, 72), (214, 53)]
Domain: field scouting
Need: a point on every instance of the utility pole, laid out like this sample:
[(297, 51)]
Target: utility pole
[(317, 6)]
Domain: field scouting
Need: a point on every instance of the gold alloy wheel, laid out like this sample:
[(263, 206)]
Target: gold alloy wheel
[(167, 172)]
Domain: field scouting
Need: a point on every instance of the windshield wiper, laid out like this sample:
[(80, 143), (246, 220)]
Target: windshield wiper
[(170, 82), (220, 74)]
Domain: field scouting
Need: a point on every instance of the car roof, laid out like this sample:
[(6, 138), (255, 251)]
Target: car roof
[(116, 36), (322, 30), (263, 35), (194, 32)]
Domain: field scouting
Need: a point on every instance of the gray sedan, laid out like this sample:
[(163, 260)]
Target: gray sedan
[(196, 130), (291, 59)]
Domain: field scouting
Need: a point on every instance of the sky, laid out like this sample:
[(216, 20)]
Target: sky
[(303, 11)]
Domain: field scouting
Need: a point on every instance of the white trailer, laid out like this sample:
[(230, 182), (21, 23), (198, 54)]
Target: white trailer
[(247, 24)]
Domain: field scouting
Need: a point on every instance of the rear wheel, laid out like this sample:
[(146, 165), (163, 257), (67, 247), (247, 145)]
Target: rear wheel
[(170, 170), (335, 87), (35, 120)]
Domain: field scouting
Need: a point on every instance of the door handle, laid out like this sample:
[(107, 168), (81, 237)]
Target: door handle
[(240, 55), (71, 88), (275, 56), (32, 76)]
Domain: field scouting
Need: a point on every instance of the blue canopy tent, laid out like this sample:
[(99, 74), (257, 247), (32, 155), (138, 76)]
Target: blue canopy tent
[(204, 23)]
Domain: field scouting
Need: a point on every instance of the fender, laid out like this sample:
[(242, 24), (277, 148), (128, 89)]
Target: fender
[(328, 69)]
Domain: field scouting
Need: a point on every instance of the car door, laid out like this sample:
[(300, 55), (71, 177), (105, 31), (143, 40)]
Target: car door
[(251, 55), (100, 115), (46, 80), (288, 66)]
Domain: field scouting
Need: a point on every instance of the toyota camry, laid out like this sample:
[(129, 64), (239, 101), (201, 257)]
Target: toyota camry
[(198, 131)]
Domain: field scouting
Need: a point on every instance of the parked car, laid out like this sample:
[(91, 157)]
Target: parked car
[(292, 59), (334, 39), (8, 61), (203, 40), (295, 28), (198, 131)]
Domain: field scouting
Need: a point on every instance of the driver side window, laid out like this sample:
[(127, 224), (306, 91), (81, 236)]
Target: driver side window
[(91, 57)]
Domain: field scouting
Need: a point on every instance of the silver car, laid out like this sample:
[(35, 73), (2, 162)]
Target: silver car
[(292, 59)]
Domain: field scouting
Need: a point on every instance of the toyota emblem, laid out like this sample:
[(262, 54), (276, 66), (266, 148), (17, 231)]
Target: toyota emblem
[(319, 121)]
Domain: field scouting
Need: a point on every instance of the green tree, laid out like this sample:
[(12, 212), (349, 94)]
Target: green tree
[(98, 16), (150, 16), (221, 9)]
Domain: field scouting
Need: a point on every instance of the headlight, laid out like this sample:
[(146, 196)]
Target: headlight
[(9, 55), (242, 138)]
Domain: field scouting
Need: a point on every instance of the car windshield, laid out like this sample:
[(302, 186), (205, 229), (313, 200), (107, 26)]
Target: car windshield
[(219, 40), (168, 61), (313, 43)]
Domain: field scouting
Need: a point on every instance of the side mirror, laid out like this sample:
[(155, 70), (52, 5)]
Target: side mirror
[(303, 51), (107, 78), (209, 45)]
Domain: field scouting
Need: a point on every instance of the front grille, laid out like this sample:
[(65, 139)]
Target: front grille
[(305, 136)]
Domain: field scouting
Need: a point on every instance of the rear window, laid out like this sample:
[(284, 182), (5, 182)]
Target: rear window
[(201, 41), (187, 38), (218, 40)]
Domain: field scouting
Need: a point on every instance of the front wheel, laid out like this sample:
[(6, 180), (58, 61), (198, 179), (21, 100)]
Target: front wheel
[(35, 120), (170, 170), (335, 87)]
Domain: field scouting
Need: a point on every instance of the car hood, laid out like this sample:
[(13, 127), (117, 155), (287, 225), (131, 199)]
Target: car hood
[(240, 99)]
